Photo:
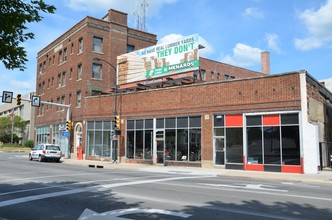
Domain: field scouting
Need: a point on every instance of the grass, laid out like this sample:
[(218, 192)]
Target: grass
[(14, 149)]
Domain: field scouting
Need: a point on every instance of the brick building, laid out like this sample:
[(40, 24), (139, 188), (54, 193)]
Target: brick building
[(216, 116)]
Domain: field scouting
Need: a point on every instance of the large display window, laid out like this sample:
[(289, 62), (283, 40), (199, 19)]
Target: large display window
[(182, 139)]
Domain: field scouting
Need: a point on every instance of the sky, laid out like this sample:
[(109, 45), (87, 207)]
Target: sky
[(297, 33)]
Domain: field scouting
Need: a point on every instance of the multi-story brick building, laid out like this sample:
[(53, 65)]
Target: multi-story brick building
[(218, 115)]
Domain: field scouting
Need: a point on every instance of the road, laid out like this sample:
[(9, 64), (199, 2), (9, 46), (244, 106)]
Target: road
[(50, 190)]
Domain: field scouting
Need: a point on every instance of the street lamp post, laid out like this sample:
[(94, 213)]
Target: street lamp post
[(115, 101), (115, 83)]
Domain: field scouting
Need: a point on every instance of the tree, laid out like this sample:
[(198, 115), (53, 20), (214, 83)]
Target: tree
[(14, 15), (6, 128)]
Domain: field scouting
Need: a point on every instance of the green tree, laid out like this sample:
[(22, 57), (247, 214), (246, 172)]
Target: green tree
[(6, 128), (14, 15)]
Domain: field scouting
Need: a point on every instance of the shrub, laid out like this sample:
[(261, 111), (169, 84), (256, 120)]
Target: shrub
[(29, 144)]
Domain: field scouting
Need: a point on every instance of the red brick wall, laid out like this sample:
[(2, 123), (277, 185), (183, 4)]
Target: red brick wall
[(273, 93)]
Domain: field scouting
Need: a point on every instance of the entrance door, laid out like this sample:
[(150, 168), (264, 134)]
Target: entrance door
[(219, 150), (160, 151), (160, 143)]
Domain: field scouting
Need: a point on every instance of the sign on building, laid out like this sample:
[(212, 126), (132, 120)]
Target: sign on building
[(159, 60)]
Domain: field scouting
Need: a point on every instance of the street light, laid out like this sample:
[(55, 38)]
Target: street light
[(115, 83), (114, 155)]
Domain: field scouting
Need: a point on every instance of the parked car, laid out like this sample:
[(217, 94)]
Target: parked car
[(44, 152)]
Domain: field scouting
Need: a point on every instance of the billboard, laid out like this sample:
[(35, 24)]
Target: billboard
[(159, 60)]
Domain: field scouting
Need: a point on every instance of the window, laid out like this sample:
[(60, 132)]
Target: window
[(48, 83), (182, 138), (63, 83), (212, 75), (78, 99), (218, 76), (65, 55), (96, 71), (99, 142), (44, 66), (79, 71), (58, 101), (273, 139), (71, 73), (59, 80), (80, 45), (60, 57), (72, 48), (203, 76), (97, 44), (130, 48), (40, 68), (63, 101)]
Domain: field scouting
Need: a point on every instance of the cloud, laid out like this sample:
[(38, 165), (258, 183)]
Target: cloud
[(208, 50), (319, 26), (253, 12), (273, 42), (243, 55), (22, 85)]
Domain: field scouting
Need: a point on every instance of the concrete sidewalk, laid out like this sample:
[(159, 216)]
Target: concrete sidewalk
[(324, 177)]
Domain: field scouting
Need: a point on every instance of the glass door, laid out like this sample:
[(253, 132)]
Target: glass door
[(219, 150), (160, 143)]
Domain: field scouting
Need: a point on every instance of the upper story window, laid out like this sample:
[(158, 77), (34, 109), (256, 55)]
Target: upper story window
[(63, 81), (79, 71), (60, 57), (78, 99), (65, 55), (80, 45), (218, 76), (59, 80), (203, 76), (96, 71), (212, 75), (130, 48), (40, 68), (72, 48), (97, 44)]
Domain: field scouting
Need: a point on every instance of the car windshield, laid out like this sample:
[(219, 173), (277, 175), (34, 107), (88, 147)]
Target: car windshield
[(52, 148)]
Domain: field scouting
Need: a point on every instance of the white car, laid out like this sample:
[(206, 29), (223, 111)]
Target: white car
[(44, 152)]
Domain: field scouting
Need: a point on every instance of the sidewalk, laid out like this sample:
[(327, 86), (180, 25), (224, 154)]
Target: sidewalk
[(324, 177)]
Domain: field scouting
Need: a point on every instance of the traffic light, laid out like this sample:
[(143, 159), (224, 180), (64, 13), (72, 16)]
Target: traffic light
[(18, 99), (117, 122), (68, 125)]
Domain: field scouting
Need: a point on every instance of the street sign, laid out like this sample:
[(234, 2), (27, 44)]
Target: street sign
[(35, 101), (7, 97), (65, 133)]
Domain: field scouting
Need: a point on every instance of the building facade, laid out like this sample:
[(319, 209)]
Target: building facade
[(216, 116), (26, 112), (67, 72)]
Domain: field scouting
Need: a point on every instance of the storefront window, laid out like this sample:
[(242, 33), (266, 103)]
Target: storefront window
[(290, 145), (280, 139), (272, 145), (99, 138), (170, 143), (182, 138), (254, 140), (234, 145)]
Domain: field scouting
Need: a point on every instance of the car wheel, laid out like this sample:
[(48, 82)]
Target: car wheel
[(40, 159), (30, 158), (57, 160)]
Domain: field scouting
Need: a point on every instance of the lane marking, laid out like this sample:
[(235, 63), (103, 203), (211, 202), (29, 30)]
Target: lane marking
[(97, 188), (115, 214), (67, 186)]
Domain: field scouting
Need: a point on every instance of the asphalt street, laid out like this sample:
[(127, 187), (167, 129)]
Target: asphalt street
[(75, 190)]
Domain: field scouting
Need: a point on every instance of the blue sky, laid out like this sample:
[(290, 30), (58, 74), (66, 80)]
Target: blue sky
[(297, 33)]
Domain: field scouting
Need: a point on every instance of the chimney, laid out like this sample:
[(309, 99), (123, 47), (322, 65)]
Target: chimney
[(265, 59)]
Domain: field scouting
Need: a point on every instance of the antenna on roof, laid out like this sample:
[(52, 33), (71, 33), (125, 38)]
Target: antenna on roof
[(141, 13)]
